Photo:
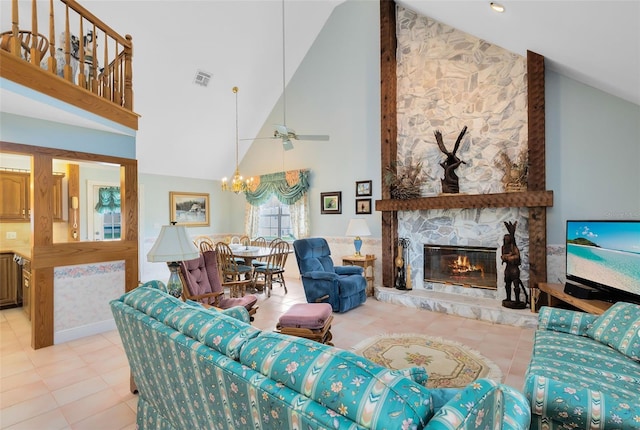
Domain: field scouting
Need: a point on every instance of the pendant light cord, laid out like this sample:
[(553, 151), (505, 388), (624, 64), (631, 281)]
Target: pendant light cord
[(235, 90), (284, 93)]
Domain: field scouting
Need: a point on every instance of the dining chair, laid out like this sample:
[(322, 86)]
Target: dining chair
[(234, 275), (259, 241), (262, 243), (208, 243), (273, 270)]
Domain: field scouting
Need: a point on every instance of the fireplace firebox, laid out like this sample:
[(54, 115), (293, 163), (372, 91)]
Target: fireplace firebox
[(471, 266)]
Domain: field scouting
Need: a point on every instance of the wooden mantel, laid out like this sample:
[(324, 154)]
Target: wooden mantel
[(537, 198), (470, 201)]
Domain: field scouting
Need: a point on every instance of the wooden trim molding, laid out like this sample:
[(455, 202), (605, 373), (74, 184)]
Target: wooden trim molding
[(388, 130), (470, 201), (24, 73)]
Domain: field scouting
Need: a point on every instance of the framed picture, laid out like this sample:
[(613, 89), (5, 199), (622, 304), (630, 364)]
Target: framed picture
[(363, 188), (363, 206), (190, 209), (331, 203)]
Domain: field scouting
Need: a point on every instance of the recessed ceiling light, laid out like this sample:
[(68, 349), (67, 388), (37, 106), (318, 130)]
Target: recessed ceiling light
[(497, 7)]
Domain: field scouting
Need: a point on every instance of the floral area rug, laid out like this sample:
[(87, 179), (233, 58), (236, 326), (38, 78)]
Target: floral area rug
[(448, 363)]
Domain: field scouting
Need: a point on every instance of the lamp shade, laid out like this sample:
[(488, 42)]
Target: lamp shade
[(358, 227), (173, 244)]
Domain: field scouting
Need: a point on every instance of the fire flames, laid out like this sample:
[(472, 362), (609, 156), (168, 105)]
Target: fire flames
[(462, 266)]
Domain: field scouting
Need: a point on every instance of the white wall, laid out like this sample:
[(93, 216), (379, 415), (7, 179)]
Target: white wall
[(592, 154), (335, 91)]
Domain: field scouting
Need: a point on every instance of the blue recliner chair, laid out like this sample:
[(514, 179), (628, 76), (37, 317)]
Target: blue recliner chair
[(343, 287)]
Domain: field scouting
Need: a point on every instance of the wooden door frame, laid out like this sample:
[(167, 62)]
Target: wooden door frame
[(46, 255)]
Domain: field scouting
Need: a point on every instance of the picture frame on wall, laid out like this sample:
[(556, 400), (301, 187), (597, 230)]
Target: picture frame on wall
[(331, 202), (190, 209), (363, 188), (363, 206)]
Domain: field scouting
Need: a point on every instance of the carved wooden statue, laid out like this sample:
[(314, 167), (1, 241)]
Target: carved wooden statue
[(511, 257), (450, 164)]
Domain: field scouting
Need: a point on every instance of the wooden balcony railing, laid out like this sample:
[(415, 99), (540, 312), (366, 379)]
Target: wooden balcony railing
[(88, 54)]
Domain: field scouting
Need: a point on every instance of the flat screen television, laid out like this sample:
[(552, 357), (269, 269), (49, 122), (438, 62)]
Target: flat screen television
[(605, 255)]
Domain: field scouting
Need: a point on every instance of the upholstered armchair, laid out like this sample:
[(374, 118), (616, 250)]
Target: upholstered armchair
[(202, 283), (343, 287)]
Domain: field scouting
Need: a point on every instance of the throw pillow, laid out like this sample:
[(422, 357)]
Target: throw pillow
[(619, 328)]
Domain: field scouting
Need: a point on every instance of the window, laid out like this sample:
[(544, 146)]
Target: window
[(274, 220), (104, 205)]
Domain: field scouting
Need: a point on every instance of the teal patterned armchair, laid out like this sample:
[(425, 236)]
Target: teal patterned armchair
[(585, 369)]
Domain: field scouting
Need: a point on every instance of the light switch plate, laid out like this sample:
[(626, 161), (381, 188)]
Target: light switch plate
[(11, 235)]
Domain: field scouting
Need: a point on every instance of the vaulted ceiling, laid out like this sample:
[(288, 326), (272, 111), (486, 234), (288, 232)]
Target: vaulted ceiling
[(189, 130)]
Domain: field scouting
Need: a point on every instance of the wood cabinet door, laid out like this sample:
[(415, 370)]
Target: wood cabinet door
[(8, 285), (14, 205)]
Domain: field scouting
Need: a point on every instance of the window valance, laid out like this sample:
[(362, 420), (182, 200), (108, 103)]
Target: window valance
[(108, 200), (288, 187)]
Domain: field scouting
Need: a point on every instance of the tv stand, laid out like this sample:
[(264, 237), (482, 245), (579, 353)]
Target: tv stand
[(556, 296)]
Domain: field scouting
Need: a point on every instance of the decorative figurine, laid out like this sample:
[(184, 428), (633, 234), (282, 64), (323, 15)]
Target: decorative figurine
[(401, 266), (515, 173), (511, 257), (450, 164)]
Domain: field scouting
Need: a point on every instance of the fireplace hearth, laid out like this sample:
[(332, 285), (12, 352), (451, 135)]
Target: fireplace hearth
[(470, 266)]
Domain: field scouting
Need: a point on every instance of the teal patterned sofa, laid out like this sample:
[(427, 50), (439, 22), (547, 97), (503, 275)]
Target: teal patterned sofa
[(201, 369), (585, 369)]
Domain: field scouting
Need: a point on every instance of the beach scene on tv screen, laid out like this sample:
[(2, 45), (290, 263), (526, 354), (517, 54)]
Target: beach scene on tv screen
[(605, 252)]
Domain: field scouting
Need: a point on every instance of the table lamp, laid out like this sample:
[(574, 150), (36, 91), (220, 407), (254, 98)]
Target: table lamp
[(358, 227), (173, 245)]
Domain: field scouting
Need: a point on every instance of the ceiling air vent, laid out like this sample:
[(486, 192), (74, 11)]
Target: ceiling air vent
[(202, 78)]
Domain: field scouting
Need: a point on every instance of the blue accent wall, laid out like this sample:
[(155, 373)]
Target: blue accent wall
[(37, 132)]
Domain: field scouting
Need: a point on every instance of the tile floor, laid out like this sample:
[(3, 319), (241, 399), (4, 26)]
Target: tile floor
[(84, 384)]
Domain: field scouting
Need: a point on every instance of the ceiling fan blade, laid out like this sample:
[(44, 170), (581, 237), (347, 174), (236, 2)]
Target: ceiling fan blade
[(260, 138), (312, 137), (287, 145)]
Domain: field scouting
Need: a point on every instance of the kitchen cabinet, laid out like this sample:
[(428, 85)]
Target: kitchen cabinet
[(9, 279), (15, 189), (15, 196)]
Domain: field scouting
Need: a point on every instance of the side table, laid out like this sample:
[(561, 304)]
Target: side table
[(367, 262), (555, 293)]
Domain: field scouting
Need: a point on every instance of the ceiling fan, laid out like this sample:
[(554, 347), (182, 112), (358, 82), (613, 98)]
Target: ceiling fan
[(281, 131)]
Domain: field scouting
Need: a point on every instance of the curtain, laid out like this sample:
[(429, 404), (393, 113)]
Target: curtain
[(252, 220), (288, 187), (299, 212), (108, 200)]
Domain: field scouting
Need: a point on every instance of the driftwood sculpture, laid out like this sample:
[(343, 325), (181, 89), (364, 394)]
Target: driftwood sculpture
[(511, 257), (450, 182)]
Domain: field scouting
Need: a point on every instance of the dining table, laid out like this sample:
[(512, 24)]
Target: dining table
[(250, 253)]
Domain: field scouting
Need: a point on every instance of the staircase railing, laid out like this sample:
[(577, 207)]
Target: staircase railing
[(88, 53)]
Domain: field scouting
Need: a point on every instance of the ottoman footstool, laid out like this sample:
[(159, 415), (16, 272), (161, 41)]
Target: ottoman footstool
[(308, 320)]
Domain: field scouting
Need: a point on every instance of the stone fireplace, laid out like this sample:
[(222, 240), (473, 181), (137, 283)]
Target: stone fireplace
[(469, 231), (434, 77), (469, 266)]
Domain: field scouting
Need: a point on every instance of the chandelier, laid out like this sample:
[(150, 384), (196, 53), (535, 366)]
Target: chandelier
[(238, 184)]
